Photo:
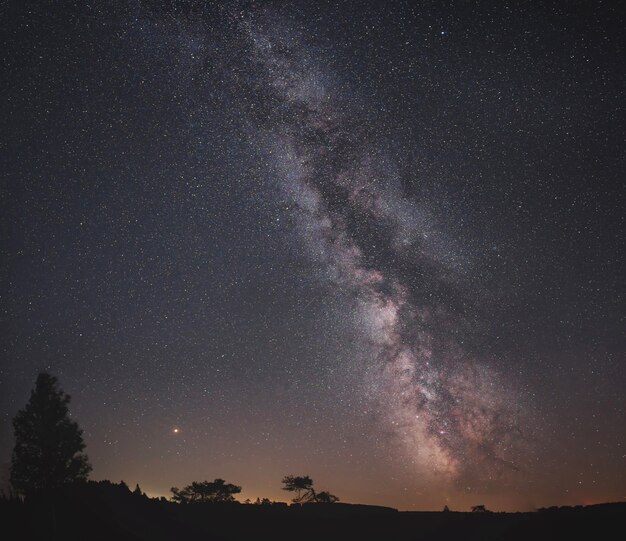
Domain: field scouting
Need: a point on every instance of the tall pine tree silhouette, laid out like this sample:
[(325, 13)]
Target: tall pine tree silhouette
[(48, 444)]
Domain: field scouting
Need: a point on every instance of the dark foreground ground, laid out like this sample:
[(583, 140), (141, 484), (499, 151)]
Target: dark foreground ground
[(101, 511)]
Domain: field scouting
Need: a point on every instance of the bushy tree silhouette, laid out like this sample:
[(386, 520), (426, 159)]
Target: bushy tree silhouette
[(48, 452), (218, 491), (301, 485), (326, 497), (305, 493)]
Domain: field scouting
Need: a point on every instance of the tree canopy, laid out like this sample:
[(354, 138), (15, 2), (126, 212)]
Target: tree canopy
[(218, 491), (49, 446), (305, 493), (302, 486)]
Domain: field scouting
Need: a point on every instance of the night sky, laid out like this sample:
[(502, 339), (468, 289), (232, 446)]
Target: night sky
[(378, 243)]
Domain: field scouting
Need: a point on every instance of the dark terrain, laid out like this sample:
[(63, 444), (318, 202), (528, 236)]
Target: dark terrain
[(106, 511)]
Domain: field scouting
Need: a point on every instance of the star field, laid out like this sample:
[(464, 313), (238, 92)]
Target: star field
[(376, 243)]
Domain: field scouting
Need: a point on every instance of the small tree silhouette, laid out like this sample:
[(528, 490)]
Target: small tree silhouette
[(218, 491), (305, 493), (326, 497), (479, 509), (48, 445), (302, 486)]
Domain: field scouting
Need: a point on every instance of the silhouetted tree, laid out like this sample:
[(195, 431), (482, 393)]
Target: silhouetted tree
[(218, 491), (48, 445), (479, 509), (137, 491), (326, 497), (446, 509), (302, 486)]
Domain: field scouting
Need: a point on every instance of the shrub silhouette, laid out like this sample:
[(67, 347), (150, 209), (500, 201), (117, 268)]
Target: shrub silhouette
[(326, 497), (218, 491), (48, 445)]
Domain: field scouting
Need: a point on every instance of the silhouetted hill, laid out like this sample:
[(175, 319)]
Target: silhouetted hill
[(107, 511)]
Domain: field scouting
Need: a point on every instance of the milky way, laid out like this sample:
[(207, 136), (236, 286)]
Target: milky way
[(449, 413)]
